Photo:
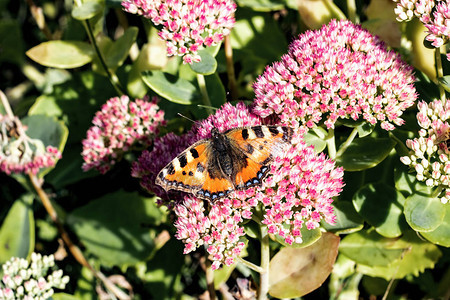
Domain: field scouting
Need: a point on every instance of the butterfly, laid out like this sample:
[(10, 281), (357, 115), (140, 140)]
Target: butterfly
[(237, 159)]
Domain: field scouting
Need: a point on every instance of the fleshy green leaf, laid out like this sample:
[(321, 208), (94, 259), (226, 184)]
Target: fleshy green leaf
[(365, 153), (441, 234), (407, 183), (172, 88), (17, 230), (382, 207), (263, 5), (118, 52), (207, 65), (86, 10), (423, 213), (295, 272), (370, 248), (48, 130), (216, 90), (62, 54), (311, 138), (161, 275), (115, 227), (418, 256), (63, 296), (347, 219)]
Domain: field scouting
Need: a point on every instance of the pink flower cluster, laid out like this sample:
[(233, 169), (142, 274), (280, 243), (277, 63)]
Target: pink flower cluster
[(430, 152), (218, 228), (119, 126), (435, 15), (338, 72), (21, 154), (187, 25), (297, 193)]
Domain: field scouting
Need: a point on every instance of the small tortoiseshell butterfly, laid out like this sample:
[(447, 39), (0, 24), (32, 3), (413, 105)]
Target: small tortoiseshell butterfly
[(234, 160)]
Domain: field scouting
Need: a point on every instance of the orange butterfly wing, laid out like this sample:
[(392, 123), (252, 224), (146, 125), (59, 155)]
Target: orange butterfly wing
[(260, 144), (189, 172)]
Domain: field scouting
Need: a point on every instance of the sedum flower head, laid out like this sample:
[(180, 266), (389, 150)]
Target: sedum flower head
[(297, 194), (430, 152), (187, 25), (119, 126), (21, 154), (338, 72), (31, 280)]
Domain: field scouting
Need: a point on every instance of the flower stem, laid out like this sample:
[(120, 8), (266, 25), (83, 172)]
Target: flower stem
[(76, 252), (210, 280), (230, 68), (347, 142), (6, 105), (249, 265), (351, 10), (202, 85), (265, 259), (331, 145), (439, 73), (111, 76)]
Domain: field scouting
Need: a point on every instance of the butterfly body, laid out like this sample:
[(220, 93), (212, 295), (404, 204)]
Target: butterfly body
[(234, 160)]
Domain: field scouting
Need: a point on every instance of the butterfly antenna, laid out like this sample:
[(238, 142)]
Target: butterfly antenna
[(186, 117)]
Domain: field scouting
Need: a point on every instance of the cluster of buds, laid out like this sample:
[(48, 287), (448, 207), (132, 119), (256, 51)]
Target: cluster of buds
[(187, 25), (21, 154), (435, 16), (120, 126), (430, 152), (31, 280)]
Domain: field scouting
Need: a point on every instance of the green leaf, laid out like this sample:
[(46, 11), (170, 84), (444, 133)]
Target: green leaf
[(62, 54), (311, 138), (207, 65), (48, 130), (161, 275), (294, 272), (17, 231), (445, 82), (347, 219), (216, 90), (118, 52), (407, 183), (172, 88), (365, 153), (418, 256), (11, 42), (87, 10), (364, 129), (63, 296), (424, 213), (75, 101), (382, 207), (263, 5), (370, 248), (115, 227), (441, 234)]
